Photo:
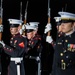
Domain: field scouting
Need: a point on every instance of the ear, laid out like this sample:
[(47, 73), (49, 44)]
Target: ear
[(19, 28), (74, 26)]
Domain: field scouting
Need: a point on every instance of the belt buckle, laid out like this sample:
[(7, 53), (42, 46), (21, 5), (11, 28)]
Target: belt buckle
[(63, 66)]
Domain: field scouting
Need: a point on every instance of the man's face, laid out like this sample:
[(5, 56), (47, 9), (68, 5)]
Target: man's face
[(30, 35), (13, 30), (59, 28), (19, 27), (35, 32), (67, 27)]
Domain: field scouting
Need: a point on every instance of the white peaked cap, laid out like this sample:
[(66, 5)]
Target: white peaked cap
[(15, 21), (57, 19), (34, 24), (67, 15), (29, 27)]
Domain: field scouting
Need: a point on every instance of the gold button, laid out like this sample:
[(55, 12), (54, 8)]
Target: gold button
[(29, 43), (10, 41), (10, 49), (14, 46), (66, 40), (11, 38), (7, 48), (62, 60), (61, 54)]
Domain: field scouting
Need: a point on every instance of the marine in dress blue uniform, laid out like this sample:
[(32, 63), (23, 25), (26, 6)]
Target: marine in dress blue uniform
[(34, 48), (64, 55), (16, 48)]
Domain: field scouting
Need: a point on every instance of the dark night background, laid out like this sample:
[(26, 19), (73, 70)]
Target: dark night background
[(37, 11)]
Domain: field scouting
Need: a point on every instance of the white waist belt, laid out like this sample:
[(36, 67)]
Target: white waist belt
[(17, 60)]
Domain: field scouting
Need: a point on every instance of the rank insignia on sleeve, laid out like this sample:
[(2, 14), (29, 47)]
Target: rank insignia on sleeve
[(21, 44)]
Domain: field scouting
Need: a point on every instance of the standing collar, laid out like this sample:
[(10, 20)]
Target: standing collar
[(69, 33), (16, 35)]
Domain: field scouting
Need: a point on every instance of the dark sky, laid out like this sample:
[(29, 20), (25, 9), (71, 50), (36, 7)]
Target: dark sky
[(37, 11)]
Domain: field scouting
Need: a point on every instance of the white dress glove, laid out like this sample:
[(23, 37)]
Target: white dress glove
[(23, 27), (3, 44), (48, 27), (49, 39)]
